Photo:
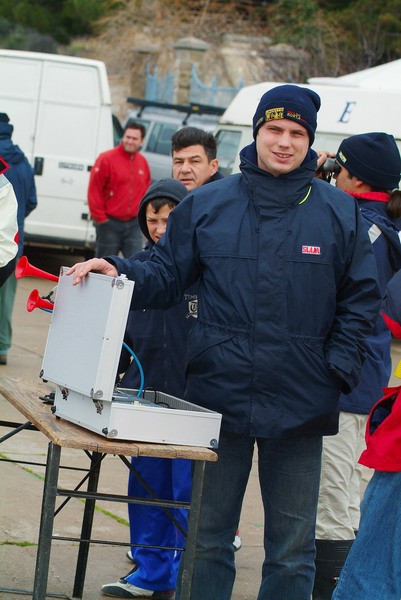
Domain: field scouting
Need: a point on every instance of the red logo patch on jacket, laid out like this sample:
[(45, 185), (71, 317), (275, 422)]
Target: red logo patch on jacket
[(310, 249)]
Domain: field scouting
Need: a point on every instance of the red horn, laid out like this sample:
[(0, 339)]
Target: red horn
[(35, 301), (24, 269)]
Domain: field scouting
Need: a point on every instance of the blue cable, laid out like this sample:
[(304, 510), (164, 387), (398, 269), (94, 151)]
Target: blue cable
[(136, 359)]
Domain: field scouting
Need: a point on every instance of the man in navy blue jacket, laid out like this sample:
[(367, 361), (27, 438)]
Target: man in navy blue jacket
[(20, 174), (287, 292)]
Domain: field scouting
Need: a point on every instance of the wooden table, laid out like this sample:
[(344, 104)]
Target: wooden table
[(63, 434)]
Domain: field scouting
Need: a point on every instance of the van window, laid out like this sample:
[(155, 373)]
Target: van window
[(160, 138), (117, 130), (227, 142)]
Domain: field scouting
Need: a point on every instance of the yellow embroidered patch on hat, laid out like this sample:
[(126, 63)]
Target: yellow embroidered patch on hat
[(274, 113)]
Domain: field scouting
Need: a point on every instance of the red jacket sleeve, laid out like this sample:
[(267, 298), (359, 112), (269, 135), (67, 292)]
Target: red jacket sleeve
[(97, 183)]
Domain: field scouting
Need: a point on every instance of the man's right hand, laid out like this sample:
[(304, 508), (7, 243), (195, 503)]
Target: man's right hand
[(98, 265)]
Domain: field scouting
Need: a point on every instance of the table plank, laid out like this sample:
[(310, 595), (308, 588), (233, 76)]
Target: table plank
[(24, 396)]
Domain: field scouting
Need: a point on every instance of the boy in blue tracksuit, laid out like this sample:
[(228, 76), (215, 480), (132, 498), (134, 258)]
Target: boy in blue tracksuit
[(158, 338)]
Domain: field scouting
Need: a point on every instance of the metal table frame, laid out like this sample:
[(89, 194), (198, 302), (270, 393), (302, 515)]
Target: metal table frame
[(64, 434)]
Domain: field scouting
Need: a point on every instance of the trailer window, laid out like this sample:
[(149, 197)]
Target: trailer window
[(227, 149)]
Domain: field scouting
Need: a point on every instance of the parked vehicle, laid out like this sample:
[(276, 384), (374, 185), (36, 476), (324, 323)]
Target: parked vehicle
[(60, 107), (161, 122), (346, 110)]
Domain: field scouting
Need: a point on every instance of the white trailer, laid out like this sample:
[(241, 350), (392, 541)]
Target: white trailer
[(60, 107)]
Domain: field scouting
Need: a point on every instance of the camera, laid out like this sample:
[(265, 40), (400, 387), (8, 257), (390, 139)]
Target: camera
[(329, 168)]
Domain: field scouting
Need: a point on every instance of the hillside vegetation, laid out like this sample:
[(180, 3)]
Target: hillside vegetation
[(339, 36)]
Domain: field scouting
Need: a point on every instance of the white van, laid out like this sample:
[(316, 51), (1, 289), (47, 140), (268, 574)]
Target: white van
[(60, 107), (345, 111)]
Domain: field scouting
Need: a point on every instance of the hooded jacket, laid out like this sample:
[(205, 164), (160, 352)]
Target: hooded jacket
[(20, 174), (376, 371), (287, 293), (159, 337)]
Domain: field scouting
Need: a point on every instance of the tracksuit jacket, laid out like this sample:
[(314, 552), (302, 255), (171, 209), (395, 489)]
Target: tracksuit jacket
[(118, 181), (376, 371), (287, 293)]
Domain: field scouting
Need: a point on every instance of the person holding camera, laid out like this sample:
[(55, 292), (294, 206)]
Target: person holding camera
[(367, 167)]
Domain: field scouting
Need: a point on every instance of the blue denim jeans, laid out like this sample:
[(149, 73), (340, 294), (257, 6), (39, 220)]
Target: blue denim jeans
[(373, 566), (114, 236), (289, 473)]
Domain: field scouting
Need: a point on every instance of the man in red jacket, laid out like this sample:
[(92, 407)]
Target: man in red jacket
[(119, 179)]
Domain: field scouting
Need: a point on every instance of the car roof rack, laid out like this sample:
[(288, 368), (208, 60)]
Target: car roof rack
[(194, 108)]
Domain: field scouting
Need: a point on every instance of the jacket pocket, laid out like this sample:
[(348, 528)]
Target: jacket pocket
[(316, 346), (202, 340)]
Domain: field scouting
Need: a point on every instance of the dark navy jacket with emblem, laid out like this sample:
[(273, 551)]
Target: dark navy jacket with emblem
[(384, 236), (287, 292), (158, 337)]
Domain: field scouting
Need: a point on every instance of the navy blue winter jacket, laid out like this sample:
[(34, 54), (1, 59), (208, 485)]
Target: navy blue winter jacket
[(158, 337), (287, 293), (21, 176), (376, 371)]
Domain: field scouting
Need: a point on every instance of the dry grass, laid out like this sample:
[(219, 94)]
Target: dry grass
[(161, 22)]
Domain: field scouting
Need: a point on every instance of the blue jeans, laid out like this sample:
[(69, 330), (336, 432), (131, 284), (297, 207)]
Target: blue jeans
[(114, 236), (289, 473), (373, 567)]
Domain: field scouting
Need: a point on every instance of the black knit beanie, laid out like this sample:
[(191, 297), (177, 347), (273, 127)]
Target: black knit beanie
[(292, 102), (373, 158), (164, 188)]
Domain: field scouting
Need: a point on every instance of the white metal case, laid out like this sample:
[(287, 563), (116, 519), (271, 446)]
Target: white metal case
[(81, 357)]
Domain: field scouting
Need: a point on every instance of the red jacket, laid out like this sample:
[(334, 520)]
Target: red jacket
[(117, 183), (383, 433)]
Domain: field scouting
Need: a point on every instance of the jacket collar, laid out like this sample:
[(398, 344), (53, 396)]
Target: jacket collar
[(289, 189), (372, 196)]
